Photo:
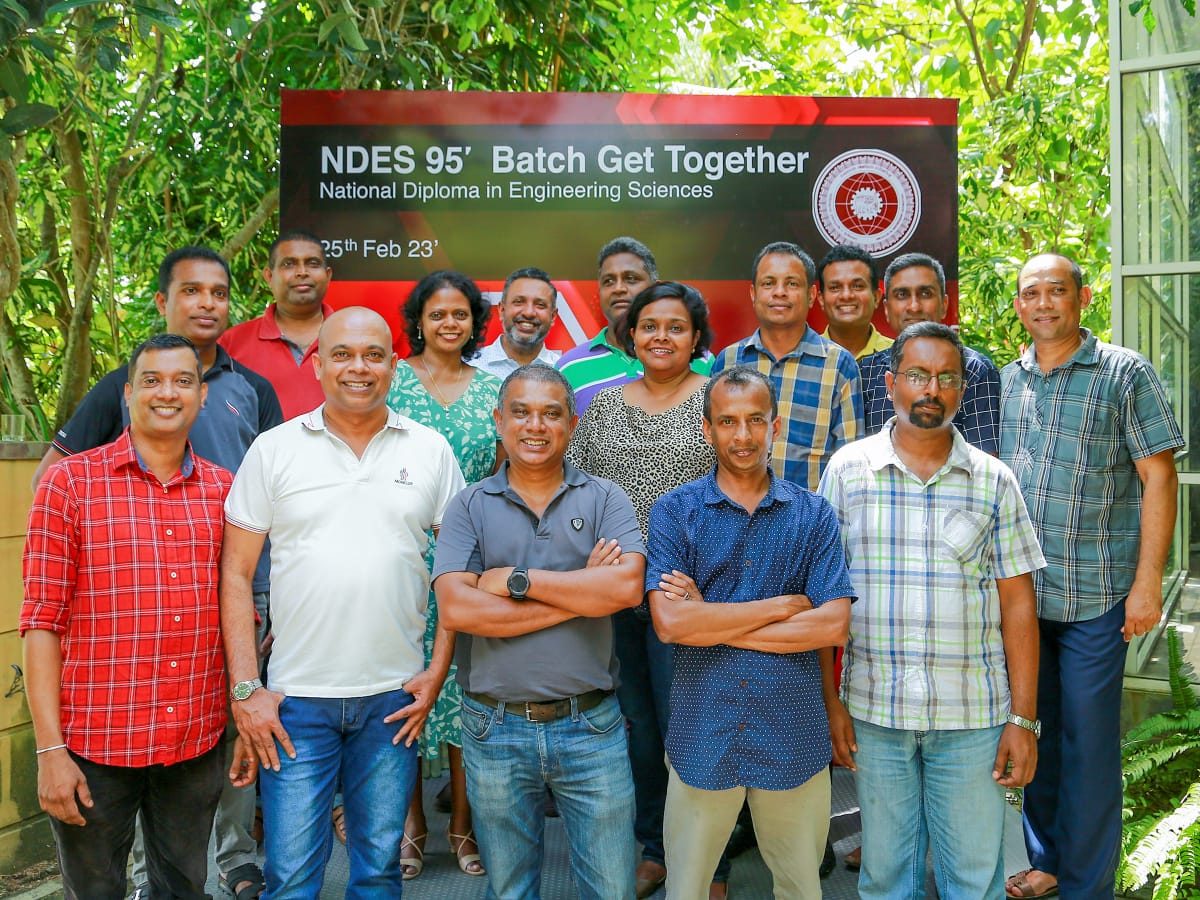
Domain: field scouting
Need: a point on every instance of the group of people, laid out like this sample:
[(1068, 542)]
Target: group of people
[(618, 575)]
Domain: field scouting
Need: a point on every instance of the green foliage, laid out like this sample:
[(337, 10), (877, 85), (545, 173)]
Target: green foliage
[(1144, 9), (1032, 85), (127, 129), (1161, 772)]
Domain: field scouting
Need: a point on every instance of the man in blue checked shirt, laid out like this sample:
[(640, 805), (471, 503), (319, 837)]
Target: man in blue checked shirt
[(914, 288), (746, 575), (938, 706), (816, 382), (1090, 435)]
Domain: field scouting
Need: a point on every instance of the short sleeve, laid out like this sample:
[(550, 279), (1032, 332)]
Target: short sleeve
[(619, 522), (250, 503), (50, 560), (1015, 545), (825, 558), (450, 483), (1151, 426), (99, 419), (458, 542), (667, 544)]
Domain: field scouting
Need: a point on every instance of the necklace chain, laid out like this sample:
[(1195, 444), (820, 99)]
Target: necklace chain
[(441, 398)]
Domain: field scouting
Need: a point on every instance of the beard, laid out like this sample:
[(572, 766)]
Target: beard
[(927, 415), (527, 343)]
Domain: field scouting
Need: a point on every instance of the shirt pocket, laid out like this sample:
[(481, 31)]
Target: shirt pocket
[(964, 534)]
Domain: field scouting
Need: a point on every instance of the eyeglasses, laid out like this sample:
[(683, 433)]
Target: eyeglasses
[(950, 381)]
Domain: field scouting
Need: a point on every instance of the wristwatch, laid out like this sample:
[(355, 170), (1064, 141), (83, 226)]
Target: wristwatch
[(243, 689), (1034, 725), (518, 583)]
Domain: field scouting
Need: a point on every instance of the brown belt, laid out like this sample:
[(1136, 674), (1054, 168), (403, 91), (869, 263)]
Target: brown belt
[(546, 710)]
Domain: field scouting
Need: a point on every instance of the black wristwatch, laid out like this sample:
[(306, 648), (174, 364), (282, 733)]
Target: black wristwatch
[(518, 583)]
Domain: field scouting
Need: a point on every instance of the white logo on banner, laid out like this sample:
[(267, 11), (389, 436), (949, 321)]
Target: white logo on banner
[(869, 198)]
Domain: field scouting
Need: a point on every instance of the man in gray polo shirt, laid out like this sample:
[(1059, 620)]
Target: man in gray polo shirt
[(531, 563)]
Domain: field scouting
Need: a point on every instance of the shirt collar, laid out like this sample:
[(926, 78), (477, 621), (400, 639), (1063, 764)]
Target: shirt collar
[(268, 328), (884, 452), (222, 363), (712, 495), (315, 420), (498, 483), (811, 344), (1088, 354), (600, 342), (125, 454)]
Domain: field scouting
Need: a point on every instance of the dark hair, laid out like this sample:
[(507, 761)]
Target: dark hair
[(912, 261), (847, 253), (294, 234), (739, 377), (167, 269), (530, 272), (541, 373), (1076, 272), (788, 249), (414, 307), (666, 290), (162, 342), (927, 330), (629, 245)]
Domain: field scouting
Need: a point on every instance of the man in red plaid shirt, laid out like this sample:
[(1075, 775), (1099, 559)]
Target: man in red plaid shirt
[(123, 660)]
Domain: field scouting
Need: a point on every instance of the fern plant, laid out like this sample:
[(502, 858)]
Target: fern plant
[(1161, 770)]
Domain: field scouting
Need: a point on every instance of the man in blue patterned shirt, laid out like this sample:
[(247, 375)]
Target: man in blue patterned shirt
[(914, 288), (1090, 435), (815, 380), (746, 575), (939, 687)]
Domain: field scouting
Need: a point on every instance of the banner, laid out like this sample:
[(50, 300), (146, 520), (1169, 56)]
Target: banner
[(399, 184)]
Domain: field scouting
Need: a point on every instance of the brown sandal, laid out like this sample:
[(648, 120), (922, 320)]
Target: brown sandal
[(1018, 886)]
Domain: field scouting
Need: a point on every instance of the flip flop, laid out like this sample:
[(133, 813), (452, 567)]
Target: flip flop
[(1018, 886)]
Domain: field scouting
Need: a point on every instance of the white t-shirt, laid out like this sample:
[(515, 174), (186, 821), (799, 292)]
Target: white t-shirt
[(349, 587)]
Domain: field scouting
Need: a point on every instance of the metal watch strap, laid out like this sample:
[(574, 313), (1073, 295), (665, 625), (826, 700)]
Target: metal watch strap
[(1033, 725)]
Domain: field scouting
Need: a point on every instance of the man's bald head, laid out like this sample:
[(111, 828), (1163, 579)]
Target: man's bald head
[(355, 362)]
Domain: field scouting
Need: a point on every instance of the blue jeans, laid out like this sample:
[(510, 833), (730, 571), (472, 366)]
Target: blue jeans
[(1072, 807), (347, 740), (583, 758), (918, 787)]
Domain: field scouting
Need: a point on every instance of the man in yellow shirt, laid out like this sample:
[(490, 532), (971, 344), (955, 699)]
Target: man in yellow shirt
[(848, 286)]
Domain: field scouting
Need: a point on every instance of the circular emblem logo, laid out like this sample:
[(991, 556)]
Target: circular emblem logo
[(869, 198)]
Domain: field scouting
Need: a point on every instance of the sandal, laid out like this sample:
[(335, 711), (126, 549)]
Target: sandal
[(250, 876), (411, 866), (1018, 886), (339, 822), (468, 862)]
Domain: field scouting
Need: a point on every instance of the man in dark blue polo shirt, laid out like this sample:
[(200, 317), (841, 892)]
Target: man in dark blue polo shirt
[(746, 574), (531, 564)]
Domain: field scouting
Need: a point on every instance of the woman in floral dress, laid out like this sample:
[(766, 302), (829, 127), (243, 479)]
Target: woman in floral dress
[(445, 318)]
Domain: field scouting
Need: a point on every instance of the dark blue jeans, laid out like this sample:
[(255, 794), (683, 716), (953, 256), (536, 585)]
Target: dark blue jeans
[(177, 804), (1072, 808)]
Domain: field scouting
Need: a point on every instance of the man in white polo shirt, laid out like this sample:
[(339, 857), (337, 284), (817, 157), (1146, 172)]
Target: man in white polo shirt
[(346, 494)]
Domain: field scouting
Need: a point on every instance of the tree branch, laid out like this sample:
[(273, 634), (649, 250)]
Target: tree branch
[(266, 207), (986, 80), (1018, 60)]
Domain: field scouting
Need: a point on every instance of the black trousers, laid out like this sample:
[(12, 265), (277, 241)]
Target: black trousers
[(177, 805)]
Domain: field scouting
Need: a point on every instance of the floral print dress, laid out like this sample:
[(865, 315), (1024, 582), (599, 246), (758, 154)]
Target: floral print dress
[(471, 431)]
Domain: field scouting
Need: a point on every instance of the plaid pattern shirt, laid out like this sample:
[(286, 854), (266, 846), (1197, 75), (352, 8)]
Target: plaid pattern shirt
[(124, 568), (1072, 436), (978, 416), (925, 649), (819, 399)]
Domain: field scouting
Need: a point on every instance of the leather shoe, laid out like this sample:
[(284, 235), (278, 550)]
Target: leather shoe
[(650, 876)]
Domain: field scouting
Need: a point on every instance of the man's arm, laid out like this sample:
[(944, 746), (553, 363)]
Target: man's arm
[(1160, 486), (60, 780), (465, 605), (695, 623), (1019, 627), (257, 718), (590, 592), (828, 625)]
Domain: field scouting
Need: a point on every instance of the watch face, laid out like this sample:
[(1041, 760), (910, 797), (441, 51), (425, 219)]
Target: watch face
[(244, 689), (518, 584)]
